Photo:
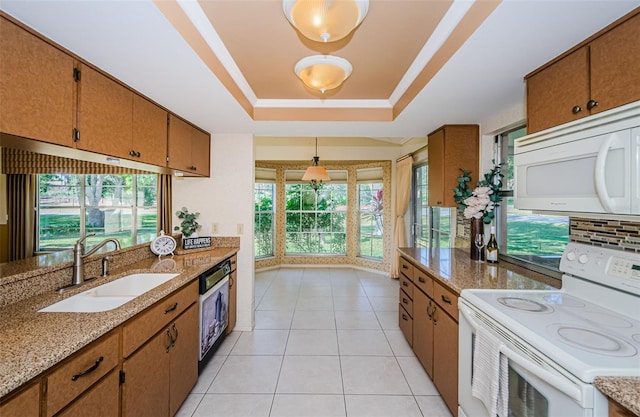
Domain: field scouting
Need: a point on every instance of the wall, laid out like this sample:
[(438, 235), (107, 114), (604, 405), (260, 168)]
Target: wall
[(226, 198)]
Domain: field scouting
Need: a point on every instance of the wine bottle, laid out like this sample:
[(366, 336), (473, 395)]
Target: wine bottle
[(492, 247)]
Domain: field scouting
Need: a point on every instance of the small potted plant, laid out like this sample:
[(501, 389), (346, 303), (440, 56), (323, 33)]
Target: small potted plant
[(189, 225)]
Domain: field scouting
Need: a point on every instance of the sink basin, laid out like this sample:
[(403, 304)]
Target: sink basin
[(110, 295)]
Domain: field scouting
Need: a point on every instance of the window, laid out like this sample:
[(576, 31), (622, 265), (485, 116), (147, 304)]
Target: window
[(316, 222), (525, 237), (109, 205), (440, 227), (420, 213), (264, 194), (370, 209)]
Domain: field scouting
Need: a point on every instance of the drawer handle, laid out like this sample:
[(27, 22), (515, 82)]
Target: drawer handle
[(88, 371), (404, 300), (170, 309), (404, 317), (446, 299), (405, 283), (421, 280), (170, 340), (405, 266)]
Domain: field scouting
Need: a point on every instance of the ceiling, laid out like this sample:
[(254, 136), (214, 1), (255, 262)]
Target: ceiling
[(227, 65)]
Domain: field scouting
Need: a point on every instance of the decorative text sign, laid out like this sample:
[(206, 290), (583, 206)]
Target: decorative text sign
[(196, 242)]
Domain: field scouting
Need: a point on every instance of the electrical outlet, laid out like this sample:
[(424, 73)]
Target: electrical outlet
[(214, 228), (240, 228)]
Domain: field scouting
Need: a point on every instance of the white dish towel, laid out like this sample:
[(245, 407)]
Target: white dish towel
[(490, 382)]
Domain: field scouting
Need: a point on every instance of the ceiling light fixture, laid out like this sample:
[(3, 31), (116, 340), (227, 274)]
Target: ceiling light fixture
[(325, 20), (316, 174), (323, 72)]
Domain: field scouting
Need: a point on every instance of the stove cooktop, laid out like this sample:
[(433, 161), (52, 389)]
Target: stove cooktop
[(584, 338)]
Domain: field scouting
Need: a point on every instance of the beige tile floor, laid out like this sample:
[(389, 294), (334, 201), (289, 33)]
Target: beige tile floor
[(326, 343)]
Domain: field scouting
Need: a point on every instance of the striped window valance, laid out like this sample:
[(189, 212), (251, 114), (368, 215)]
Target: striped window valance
[(18, 161)]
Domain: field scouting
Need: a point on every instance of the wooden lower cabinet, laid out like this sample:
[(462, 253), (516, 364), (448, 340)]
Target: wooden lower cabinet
[(100, 401), (423, 330), (24, 404), (616, 410), (445, 353), (159, 376)]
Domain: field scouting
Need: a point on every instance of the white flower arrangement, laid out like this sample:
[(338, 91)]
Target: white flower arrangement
[(480, 202)]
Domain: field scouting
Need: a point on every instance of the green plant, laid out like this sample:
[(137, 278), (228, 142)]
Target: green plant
[(189, 225), (480, 202)]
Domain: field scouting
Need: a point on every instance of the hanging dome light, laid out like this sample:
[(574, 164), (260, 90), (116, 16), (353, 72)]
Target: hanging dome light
[(315, 174), (323, 72), (325, 20)]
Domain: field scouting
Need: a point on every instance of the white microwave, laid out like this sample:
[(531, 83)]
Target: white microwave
[(587, 166)]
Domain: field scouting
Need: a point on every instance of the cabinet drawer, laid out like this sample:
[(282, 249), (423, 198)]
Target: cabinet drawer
[(406, 301), (406, 324), (406, 285), (24, 404), (447, 300), (405, 268), (423, 281), (142, 327), (100, 401), (81, 371)]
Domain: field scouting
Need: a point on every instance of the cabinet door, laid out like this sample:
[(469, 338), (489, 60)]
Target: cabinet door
[(146, 387), (184, 358), (179, 145), (37, 87), (105, 115), (553, 92), (24, 404), (99, 401), (149, 132), (615, 66), (423, 330), (445, 353), (435, 151), (233, 294), (200, 150)]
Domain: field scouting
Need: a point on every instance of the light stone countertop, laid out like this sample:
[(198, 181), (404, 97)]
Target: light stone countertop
[(33, 342), (623, 390), (455, 269)]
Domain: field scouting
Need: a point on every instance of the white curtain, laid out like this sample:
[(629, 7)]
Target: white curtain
[(403, 192)]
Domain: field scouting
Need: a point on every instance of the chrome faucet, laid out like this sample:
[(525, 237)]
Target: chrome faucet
[(79, 255)]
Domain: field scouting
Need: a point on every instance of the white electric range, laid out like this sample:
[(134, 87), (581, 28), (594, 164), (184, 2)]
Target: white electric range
[(558, 341)]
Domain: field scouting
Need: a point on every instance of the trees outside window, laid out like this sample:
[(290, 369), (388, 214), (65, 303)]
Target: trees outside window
[(316, 221), (371, 219), (264, 195), (123, 206)]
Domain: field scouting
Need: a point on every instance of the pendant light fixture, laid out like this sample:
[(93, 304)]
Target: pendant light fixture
[(325, 20), (315, 174), (323, 72)]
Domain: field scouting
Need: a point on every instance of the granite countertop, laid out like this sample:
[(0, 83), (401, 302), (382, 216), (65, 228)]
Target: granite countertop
[(456, 270), (623, 390), (33, 342)]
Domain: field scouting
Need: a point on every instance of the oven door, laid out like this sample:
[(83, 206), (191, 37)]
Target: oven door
[(213, 314), (535, 389)]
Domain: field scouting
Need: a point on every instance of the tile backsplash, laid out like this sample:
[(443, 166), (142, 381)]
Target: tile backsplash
[(614, 234)]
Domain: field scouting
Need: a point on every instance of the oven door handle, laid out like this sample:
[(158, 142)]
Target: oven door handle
[(561, 384)]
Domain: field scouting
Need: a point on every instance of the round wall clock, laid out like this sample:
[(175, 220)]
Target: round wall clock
[(163, 244)]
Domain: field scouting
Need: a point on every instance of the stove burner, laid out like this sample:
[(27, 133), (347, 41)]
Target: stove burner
[(592, 340), (523, 304)]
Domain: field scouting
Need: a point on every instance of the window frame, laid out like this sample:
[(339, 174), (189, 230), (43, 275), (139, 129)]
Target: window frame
[(380, 187), (257, 214)]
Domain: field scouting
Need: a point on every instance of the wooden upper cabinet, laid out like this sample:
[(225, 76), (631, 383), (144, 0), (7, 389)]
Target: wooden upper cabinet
[(559, 93), (188, 148), (600, 74), (37, 90), (615, 66), (450, 149), (149, 132), (105, 117)]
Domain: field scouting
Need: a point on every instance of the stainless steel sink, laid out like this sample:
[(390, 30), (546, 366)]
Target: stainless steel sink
[(110, 295)]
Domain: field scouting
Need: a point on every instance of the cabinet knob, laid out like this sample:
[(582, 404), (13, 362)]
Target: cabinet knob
[(193, 168), (132, 152), (576, 109), (591, 104)]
